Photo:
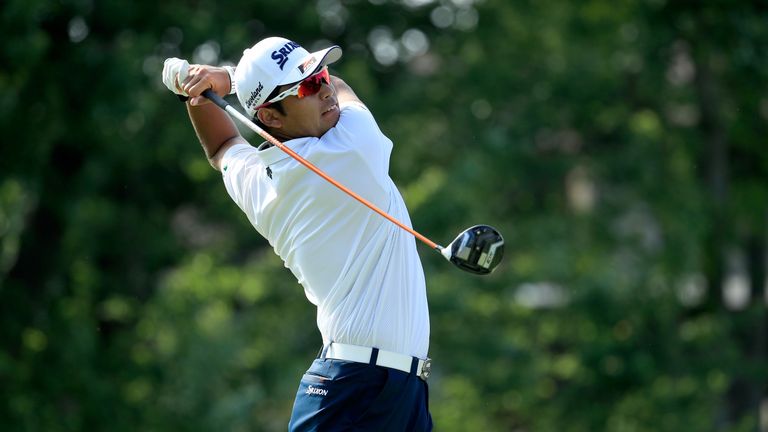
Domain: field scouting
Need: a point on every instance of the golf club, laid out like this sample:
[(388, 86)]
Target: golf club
[(478, 249)]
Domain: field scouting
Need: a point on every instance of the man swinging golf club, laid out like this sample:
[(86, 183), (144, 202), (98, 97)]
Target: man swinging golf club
[(362, 272)]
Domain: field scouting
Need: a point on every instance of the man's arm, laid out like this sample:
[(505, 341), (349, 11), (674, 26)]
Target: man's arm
[(215, 129), (344, 92)]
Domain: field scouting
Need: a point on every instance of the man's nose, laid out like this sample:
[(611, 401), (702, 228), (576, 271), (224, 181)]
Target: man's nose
[(326, 90)]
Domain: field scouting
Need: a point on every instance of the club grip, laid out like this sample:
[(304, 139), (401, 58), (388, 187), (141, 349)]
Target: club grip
[(218, 100)]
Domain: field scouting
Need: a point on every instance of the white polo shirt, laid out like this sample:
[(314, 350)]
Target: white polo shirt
[(361, 271)]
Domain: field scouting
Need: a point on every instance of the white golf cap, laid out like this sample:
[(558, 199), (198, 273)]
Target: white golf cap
[(273, 62)]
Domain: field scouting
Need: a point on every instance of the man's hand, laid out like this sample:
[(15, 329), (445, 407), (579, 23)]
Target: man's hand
[(175, 70), (192, 80)]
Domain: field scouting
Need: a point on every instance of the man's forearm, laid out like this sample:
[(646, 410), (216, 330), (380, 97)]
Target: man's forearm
[(344, 92), (213, 126)]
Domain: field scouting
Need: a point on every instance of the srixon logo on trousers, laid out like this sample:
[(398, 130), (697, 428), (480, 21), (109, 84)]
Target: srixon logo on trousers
[(316, 391), (281, 56)]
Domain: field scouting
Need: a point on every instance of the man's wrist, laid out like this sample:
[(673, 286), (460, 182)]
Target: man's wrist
[(231, 72)]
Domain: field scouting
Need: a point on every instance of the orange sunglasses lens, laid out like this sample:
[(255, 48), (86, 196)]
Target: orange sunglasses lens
[(312, 84)]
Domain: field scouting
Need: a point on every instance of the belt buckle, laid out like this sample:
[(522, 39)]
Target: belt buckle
[(426, 369)]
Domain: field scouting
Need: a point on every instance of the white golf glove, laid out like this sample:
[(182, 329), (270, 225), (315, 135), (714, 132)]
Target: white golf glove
[(175, 71)]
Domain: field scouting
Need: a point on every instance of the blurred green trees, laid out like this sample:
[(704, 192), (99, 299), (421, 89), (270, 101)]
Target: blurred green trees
[(619, 146)]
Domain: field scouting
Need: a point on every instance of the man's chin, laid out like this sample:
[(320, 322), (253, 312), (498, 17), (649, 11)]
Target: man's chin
[(333, 116)]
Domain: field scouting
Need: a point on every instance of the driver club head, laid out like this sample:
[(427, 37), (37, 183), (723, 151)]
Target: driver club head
[(478, 250)]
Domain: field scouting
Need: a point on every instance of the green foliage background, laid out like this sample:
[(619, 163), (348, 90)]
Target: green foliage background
[(620, 146)]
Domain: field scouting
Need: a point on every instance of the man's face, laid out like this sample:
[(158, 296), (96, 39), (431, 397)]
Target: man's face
[(310, 116)]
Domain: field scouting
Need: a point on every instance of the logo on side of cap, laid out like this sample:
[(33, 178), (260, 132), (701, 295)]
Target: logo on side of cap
[(304, 66), (281, 56), (255, 95)]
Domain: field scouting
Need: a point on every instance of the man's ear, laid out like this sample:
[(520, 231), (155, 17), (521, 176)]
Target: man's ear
[(270, 117)]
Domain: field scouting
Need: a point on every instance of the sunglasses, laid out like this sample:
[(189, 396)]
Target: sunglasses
[(306, 87)]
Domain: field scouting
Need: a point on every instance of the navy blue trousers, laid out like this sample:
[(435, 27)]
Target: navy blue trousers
[(337, 395)]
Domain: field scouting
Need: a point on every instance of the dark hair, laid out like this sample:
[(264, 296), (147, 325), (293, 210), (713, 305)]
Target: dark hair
[(276, 105)]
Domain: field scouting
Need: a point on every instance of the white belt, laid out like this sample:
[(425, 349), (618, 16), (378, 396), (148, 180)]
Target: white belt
[(387, 359)]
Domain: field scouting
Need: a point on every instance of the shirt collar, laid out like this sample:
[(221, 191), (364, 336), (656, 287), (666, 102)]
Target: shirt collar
[(270, 154)]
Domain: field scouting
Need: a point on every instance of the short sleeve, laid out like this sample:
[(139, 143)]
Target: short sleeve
[(240, 168)]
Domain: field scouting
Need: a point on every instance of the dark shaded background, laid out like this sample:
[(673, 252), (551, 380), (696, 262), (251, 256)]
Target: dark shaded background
[(620, 146)]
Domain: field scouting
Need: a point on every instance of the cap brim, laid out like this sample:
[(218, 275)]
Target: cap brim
[(312, 63)]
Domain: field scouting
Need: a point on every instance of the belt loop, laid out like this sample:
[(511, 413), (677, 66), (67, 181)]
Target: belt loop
[(414, 365), (374, 356), (324, 351)]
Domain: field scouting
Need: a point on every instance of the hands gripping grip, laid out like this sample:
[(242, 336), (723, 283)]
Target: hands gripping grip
[(218, 100)]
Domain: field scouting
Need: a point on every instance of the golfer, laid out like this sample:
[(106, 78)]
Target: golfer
[(362, 272)]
